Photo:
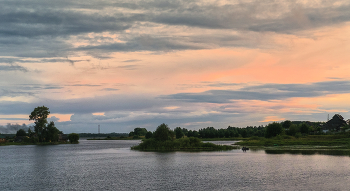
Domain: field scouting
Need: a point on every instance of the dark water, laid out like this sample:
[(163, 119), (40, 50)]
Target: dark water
[(111, 165)]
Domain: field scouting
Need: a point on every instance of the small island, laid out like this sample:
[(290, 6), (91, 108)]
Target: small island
[(164, 139)]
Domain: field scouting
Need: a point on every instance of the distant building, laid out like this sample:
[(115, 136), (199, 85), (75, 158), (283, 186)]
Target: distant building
[(2, 139), (335, 123)]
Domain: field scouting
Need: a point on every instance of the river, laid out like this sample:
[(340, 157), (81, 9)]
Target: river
[(111, 165)]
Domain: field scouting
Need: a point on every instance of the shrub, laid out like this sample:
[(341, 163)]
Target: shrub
[(73, 138)]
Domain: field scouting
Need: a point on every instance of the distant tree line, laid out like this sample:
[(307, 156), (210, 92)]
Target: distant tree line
[(209, 132), (271, 130)]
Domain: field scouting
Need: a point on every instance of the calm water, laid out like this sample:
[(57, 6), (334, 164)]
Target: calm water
[(111, 165)]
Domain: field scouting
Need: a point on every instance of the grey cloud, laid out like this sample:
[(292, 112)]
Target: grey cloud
[(128, 67), (13, 67), (265, 92), (15, 93), (143, 43), (53, 118), (110, 89), (86, 105), (132, 60), (58, 23), (40, 29), (85, 85), (13, 128), (26, 89)]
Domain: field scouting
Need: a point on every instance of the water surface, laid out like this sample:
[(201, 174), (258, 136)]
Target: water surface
[(111, 165)]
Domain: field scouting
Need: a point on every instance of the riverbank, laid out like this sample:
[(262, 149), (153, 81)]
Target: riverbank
[(339, 141)]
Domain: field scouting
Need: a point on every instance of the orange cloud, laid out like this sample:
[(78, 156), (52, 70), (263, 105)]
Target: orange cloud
[(272, 119)]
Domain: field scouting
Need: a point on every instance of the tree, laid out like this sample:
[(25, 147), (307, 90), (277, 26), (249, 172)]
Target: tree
[(73, 138), (140, 131), (293, 130), (149, 135), (51, 132), (30, 133), (21, 132), (286, 124), (304, 129), (178, 132), (163, 133), (39, 115), (273, 129), (46, 132)]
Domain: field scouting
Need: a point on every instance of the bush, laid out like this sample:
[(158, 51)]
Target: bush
[(298, 135), (73, 138)]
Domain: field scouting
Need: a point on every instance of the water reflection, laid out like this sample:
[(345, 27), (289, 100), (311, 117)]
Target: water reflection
[(310, 152), (111, 165)]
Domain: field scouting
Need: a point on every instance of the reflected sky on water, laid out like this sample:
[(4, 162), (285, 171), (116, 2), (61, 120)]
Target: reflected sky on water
[(111, 165)]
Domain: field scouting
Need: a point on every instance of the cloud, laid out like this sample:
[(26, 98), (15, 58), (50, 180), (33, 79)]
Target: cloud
[(13, 67), (40, 29), (265, 92), (13, 128), (53, 118)]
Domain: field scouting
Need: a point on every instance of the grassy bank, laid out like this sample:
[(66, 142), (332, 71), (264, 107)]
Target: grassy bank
[(182, 144), (330, 141), (224, 139)]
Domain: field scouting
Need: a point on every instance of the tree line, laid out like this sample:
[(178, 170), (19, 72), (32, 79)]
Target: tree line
[(273, 129)]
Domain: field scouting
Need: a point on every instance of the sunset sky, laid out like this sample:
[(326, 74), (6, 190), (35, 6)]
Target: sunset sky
[(187, 63)]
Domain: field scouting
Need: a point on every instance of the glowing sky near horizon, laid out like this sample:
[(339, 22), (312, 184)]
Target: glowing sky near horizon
[(191, 63)]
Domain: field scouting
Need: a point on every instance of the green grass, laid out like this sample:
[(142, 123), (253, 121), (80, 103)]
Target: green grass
[(223, 139), (342, 140)]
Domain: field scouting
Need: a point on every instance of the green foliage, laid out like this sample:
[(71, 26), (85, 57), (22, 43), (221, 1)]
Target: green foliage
[(304, 129), (50, 133), (191, 133), (178, 132), (163, 133), (140, 131), (135, 137), (73, 138), (182, 144), (21, 132), (293, 129), (255, 138), (297, 135), (273, 129), (149, 135), (286, 124), (46, 132), (39, 115)]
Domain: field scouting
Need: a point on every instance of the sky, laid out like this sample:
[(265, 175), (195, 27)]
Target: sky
[(187, 63)]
